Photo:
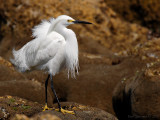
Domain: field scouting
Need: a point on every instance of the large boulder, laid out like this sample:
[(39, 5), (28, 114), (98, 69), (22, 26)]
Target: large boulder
[(93, 86), (82, 112), (11, 108), (16, 84), (137, 97)]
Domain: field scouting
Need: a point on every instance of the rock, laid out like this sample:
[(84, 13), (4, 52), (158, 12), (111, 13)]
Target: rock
[(138, 97), (31, 90), (16, 84), (10, 105), (45, 116), (38, 117), (97, 72), (96, 82), (108, 33), (82, 112), (8, 72), (20, 117), (143, 12)]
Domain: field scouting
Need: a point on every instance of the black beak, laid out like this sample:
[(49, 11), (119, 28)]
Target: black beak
[(81, 22)]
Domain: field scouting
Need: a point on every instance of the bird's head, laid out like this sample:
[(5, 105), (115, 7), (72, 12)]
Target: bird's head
[(66, 20)]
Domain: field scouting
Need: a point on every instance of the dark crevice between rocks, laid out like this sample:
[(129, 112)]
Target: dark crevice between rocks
[(2, 21), (141, 14), (122, 106), (61, 99), (116, 62)]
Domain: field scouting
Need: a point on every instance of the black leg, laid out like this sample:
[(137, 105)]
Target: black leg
[(46, 84), (52, 87)]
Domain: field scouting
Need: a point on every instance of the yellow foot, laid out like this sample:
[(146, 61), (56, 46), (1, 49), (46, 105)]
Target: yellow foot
[(46, 108), (65, 111)]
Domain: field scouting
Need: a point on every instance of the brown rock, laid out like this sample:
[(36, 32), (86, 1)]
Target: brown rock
[(107, 33), (143, 12), (16, 84), (9, 106), (138, 97), (45, 116), (12, 107), (7, 71), (20, 117), (82, 112), (31, 90), (37, 117), (96, 81), (94, 85)]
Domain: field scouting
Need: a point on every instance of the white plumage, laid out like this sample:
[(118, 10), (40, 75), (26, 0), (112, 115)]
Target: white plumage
[(54, 47)]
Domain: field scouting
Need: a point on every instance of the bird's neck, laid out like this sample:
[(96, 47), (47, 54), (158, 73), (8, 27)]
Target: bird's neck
[(71, 48), (61, 30), (68, 34)]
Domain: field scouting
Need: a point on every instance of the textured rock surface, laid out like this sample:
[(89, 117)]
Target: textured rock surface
[(82, 112), (138, 96), (16, 84), (38, 117), (11, 108), (94, 85), (107, 28), (143, 12)]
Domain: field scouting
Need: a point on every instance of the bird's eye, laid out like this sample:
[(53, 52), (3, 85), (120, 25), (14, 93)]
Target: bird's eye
[(70, 21)]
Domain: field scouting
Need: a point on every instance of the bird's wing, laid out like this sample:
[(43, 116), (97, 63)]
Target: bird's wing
[(41, 30), (48, 49), (37, 52)]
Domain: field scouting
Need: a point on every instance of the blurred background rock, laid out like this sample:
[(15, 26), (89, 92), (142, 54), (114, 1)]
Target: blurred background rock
[(142, 12)]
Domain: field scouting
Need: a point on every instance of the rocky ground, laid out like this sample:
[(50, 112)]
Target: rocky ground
[(20, 109), (119, 61)]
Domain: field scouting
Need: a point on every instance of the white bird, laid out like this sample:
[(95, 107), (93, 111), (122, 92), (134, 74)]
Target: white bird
[(54, 47)]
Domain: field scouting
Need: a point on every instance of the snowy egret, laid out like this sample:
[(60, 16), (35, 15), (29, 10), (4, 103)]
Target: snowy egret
[(54, 47)]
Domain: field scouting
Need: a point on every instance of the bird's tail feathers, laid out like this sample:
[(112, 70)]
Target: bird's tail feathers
[(18, 62)]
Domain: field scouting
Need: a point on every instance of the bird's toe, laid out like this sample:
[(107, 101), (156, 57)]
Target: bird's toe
[(46, 108), (65, 111)]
